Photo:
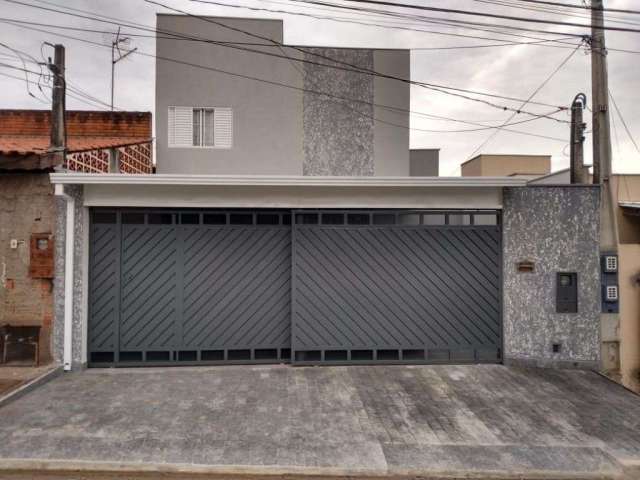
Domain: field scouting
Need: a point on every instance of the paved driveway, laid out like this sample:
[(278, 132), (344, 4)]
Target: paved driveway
[(486, 421)]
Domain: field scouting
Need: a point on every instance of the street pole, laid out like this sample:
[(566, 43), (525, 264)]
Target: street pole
[(609, 320), (578, 174), (58, 140)]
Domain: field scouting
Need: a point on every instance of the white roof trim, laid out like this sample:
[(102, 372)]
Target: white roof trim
[(276, 181), (629, 204)]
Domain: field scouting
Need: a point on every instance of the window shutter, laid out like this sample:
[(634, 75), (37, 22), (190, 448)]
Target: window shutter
[(223, 128), (180, 126)]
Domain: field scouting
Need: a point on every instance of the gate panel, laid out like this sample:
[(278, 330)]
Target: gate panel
[(405, 293), (189, 287), (237, 288)]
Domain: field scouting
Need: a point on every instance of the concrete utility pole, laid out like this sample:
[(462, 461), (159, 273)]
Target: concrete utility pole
[(578, 174), (609, 322), (58, 143)]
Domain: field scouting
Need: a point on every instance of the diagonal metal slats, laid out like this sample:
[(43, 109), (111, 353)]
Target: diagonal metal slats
[(396, 288)]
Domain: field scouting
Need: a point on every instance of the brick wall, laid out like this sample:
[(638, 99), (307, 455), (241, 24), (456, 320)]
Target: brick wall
[(26, 206), (79, 123)]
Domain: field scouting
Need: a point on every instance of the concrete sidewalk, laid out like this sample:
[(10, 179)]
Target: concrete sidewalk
[(485, 421)]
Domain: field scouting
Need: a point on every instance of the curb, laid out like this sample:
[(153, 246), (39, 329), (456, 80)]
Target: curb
[(133, 471), (30, 385)]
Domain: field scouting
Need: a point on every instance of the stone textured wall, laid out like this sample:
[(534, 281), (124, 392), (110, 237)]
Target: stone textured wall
[(557, 228), (79, 280), (26, 207), (338, 135)]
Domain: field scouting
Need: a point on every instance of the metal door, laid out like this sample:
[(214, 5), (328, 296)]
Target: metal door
[(189, 287), (412, 287)]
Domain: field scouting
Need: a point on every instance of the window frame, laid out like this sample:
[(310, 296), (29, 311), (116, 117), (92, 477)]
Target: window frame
[(201, 110)]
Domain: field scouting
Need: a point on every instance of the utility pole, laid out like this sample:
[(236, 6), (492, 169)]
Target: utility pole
[(609, 319), (115, 46), (58, 142), (578, 174)]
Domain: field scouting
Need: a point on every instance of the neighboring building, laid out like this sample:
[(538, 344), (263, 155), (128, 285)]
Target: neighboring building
[(284, 225), (27, 205), (525, 166), (424, 162)]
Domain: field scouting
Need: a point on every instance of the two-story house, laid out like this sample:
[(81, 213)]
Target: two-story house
[(284, 225)]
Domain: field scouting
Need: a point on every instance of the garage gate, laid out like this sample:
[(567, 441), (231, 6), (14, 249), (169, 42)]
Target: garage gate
[(311, 287)]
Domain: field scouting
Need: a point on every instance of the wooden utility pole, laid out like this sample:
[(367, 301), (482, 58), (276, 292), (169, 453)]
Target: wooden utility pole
[(578, 174), (58, 142)]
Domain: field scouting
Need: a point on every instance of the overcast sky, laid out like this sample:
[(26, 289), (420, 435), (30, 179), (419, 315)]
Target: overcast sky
[(515, 71)]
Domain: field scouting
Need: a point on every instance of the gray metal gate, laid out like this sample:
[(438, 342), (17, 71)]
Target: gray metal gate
[(189, 287), (412, 287)]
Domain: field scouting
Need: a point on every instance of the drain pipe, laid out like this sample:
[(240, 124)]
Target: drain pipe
[(68, 275)]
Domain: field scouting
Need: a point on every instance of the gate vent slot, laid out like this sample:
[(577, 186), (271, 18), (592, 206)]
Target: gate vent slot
[(409, 219), (160, 219), (214, 219), (241, 219), (133, 218), (307, 218), (458, 219), (188, 356), (384, 219), (435, 219), (239, 355), (308, 356), (130, 356), (102, 357), (412, 354), (268, 219), (212, 355), (360, 355), (104, 217), (335, 355), (286, 219), (358, 218), (485, 219), (387, 355), (266, 353), (158, 356), (190, 218), (438, 355), (285, 354), (332, 219)]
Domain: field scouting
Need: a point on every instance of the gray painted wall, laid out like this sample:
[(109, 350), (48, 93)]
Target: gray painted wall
[(557, 228), (279, 130), (424, 162)]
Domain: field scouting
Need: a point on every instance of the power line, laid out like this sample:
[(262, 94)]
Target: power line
[(541, 42), (75, 97), (483, 127), (484, 14), (535, 92), (364, 70), (582, 7), (434, 87), (624, 123)]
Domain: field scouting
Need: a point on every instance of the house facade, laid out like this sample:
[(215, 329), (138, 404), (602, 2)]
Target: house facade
[(97, 142), (285, 223)]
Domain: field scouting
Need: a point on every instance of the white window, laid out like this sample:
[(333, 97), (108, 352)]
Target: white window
[(200, 127)]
